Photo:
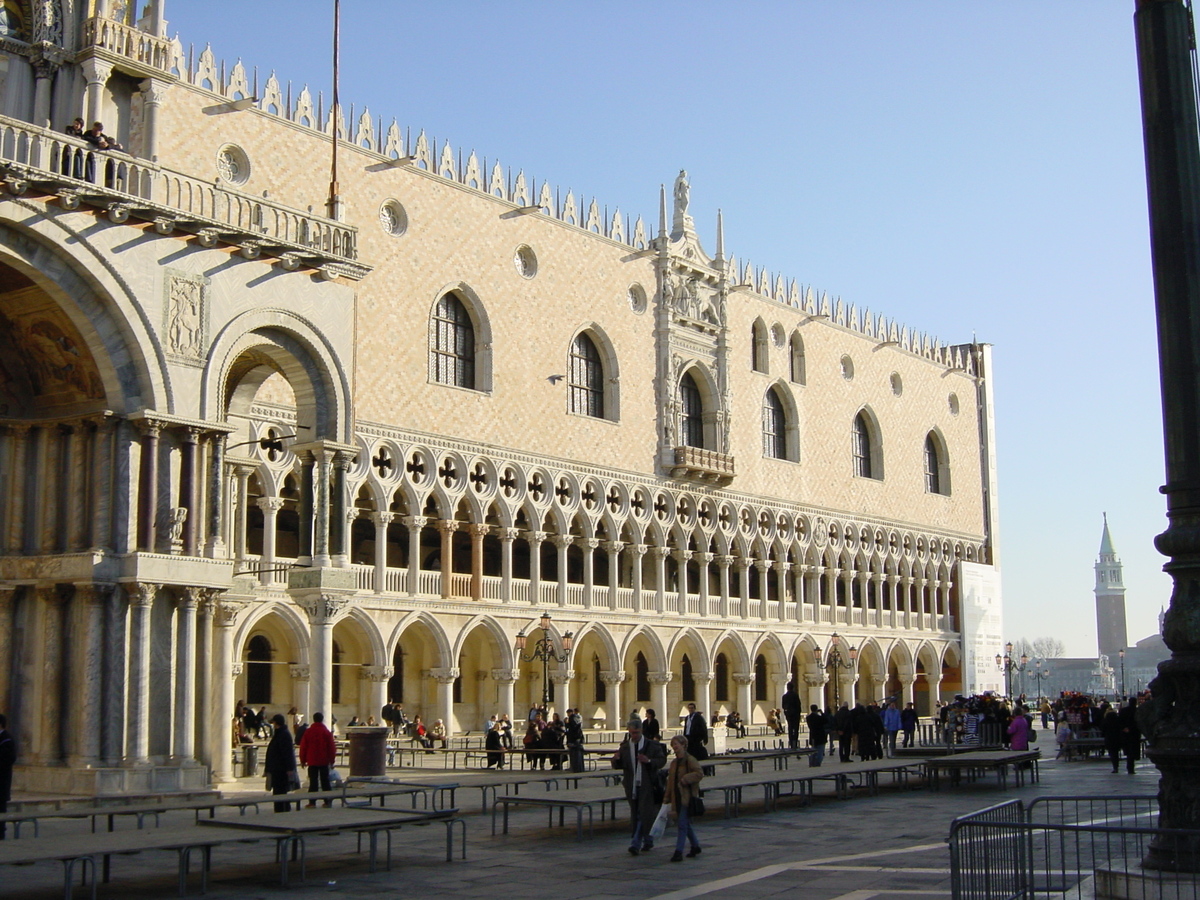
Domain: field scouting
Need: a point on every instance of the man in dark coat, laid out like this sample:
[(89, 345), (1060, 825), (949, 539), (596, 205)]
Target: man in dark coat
[(792, 711), (640, 759), (844, 727), (8, 758), (816, 735), (695, 729), (1131, 734)]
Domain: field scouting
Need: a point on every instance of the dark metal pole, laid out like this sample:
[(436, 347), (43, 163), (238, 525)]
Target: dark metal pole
[(334, 198), (1171, 718)]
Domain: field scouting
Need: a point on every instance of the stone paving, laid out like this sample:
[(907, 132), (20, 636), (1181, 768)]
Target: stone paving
[(889, 847)]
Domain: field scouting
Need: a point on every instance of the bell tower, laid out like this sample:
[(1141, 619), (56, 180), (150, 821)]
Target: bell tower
[(1110, 598)]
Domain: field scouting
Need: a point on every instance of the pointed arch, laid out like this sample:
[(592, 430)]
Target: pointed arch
[(593, 375), (936, 464), (460, 340), (866, 445), (759, 347), (797, 365)]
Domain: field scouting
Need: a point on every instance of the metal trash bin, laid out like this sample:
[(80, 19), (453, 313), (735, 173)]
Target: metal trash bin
[(368, 751), (249, 760)]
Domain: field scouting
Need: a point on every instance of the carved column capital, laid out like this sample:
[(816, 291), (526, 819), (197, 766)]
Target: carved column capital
[(614, 546), (448, 526), (377, 674), (612, 678), (383, 518), (142, 594), (415, 521), (660, 677), (226, 612), (324, 608), (270, 504), (445, 675), (505, 676), (299, 673), (560, 676), (563, 541), (742, 678), (478, 530), (508, 534)]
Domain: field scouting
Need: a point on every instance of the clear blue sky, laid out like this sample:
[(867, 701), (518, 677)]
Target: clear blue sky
[(967, 168)]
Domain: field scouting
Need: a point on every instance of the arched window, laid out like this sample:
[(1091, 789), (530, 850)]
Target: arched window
[(642, 678), (760, 678), (395, 688), (796, 359), (937, 474), (864, 446), (774, 426), (758, 346), (721, 677), (452, 344), (687, 680), (691, 412), (258, 670), (586, 378), (600, 693)]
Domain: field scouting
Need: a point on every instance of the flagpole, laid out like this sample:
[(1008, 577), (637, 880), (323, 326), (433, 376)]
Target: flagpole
[(335, 200)]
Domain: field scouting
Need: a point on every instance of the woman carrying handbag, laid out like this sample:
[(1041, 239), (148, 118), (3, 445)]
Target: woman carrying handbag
[(683, 793)]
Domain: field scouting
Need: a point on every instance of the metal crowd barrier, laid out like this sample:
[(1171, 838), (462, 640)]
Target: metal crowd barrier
[(1069, 847)]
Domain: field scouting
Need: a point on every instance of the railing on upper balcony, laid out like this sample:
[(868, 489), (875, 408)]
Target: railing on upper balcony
[(129, 43), (127, 186)]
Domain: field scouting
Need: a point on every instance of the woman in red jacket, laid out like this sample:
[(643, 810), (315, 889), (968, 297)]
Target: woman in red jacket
[(318, 751)]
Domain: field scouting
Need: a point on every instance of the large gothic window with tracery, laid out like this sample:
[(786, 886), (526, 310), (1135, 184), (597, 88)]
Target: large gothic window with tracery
[(586, 378), (774, 426), (452, 344), (860, 442), (691, 413)]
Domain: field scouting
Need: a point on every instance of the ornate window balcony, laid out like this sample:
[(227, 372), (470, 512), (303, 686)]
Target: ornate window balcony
[(703, 465), (35, 158), (135, 49)]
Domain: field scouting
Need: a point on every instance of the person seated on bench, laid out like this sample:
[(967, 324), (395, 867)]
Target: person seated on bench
[(438, 732), (734, 722), (420, 734)]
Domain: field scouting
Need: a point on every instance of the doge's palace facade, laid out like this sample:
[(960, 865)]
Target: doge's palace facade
[(257, 448)]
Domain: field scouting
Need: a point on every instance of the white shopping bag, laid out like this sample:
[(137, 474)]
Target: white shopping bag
[(660, 822)]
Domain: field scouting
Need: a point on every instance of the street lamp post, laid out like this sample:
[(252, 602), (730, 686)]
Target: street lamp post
[(836, 661), (1008, 665), (1121, 654), (543, 650), (1039, 673)]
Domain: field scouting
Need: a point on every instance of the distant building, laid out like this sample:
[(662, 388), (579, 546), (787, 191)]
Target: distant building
[(1110, 599)]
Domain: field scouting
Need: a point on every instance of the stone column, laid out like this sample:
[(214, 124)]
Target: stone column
[(148, 487), (799, 580), (141, 601), (908, 683), (816, 689), (14, 502), (414, 524), (377, 678), (818, 573), (225, 670), (781, 580), (724, 561), (562, 692), (613, 705), (43, 74), (323, 609), (6, 645), (189, 489), (589, 573), (478, 532), (86, 641), (382, 520), (705, 559), (340, 513), (321, 510), (215, 546), (639, 550), (681, 558), (660, 578), (239, 522), (447, 527), (614, 549), (154, 92), (764, 585), (658, 690), (95, 74), (743, 680), (505, 679), (704, 695), (742, 565), (848, 580), (561, 543), (270, 507), (445, 678), (534, 539), (205, 652), (893, 594), (305, 510), (185, 673), (301, 682), (507, 535)]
